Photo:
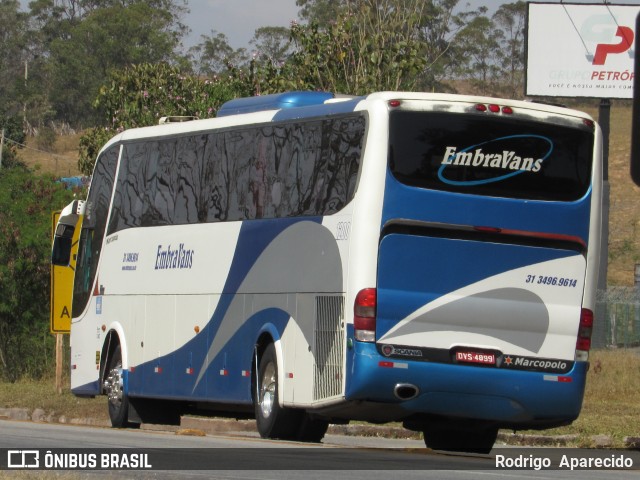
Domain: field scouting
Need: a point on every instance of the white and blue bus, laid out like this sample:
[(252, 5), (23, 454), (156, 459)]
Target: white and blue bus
[(304, 258)]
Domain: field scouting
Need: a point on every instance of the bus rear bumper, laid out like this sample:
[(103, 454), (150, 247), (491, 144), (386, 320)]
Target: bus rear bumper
[(512, 398)]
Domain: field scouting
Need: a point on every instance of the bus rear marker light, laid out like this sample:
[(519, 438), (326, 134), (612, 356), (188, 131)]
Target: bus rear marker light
[(555, 378), (393, 365)]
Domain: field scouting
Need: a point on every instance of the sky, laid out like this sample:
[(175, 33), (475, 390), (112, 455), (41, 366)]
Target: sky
[(238, 19)]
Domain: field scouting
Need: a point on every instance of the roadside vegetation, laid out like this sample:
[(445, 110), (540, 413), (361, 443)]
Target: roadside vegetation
[(611, 407)]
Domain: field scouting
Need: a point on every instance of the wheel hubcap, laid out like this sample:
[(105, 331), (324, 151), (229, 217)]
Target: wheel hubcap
[(268, 390), (113, 386)]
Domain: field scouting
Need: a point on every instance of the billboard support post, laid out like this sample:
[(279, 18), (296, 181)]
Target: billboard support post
[(59, 361), (604, 119), (594, 58)]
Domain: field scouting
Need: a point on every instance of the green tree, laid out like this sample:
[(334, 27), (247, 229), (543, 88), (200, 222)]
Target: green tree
[(140, 95), (438, 28), (213, 54), (272, 45), (13, 38), (373, 46), (510, 19), (14, 137), (477, 44), (26, 202), (84, 40), (432, 26), (322, 12)]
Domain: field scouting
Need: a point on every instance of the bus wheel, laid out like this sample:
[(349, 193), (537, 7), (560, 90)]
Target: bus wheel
[(312, 429), (460, 436), (114, 390), (273, 421)]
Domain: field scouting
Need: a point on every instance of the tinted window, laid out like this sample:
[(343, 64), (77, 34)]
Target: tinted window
[(93, 227), (271, 171), (490, 156)]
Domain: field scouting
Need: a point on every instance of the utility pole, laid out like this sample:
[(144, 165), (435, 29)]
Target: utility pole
[(24, 106)]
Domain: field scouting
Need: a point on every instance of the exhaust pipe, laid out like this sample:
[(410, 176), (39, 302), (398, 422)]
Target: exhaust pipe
[(405, 391)]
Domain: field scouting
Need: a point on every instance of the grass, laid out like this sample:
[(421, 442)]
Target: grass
[(32, 394), (61, 160), (624, 213), (610, 407)]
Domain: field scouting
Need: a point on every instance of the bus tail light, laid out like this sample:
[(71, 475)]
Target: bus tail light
[(583, 344), (493, 108), (364, 315)]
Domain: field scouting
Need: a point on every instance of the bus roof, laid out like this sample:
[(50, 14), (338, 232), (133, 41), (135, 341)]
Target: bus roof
[(300, 104), (275, 101)]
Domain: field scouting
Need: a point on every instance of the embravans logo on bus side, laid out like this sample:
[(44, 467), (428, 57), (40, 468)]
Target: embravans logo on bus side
[(174, 258), (485, 155)]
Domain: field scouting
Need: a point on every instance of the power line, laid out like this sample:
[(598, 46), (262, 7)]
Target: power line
[(586, 49)]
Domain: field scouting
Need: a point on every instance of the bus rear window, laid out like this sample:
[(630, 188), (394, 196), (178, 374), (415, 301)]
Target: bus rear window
[(501, 157)]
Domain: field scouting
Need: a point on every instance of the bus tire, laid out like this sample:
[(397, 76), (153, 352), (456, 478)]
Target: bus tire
[(460, 436), (118, 401), (273, 421), (312, 429)]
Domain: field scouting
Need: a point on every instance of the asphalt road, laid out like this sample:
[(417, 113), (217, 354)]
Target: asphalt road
[(244, 457)]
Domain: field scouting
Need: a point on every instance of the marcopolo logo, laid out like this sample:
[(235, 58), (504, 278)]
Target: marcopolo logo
[(499, 159), (537, 364)]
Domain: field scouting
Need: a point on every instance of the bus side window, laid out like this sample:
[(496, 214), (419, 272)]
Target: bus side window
[(93, 227)]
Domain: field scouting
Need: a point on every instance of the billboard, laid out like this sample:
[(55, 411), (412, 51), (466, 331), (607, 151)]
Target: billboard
[(580, 50)]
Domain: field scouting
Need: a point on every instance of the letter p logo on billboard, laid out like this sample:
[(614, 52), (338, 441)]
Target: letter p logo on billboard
[(625, 35)]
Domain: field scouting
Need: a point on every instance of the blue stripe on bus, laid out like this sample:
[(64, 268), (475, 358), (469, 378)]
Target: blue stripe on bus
[(415, 270), (172, 381), (168, 376), (561, 218), (89, 389)]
